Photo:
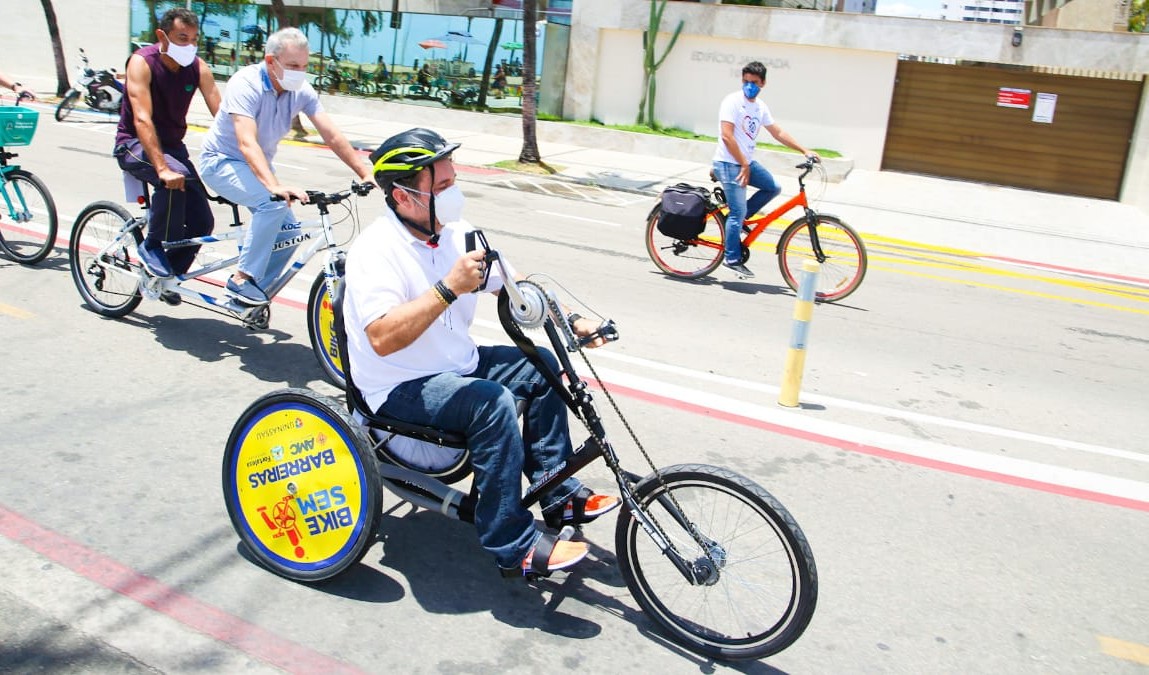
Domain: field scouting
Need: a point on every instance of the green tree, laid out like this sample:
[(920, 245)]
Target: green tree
[(57, 47), (530, 152), (1139, 16), (651, 64)]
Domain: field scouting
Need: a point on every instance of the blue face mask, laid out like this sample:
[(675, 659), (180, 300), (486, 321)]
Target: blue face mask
[(750, 89)]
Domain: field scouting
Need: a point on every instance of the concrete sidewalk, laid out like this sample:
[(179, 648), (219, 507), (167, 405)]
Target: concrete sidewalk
[(1103, 238)]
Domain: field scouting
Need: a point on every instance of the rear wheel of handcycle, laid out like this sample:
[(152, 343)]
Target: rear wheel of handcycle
[(844, 267), (685, 258), (67, 104), (757, 584), (28, 235), (321, 330), (103, 259), (301, 485)]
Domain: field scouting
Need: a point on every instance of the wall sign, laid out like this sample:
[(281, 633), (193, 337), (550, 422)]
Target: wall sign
[(1043, 111), (1008, 97)]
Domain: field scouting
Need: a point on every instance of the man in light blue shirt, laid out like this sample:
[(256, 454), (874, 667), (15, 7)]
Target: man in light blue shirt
[(258, 105)]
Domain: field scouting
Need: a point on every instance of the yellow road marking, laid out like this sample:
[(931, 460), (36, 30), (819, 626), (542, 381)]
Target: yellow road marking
[(15, 311), (1126, 292), (1007, 289), (1129, 651)]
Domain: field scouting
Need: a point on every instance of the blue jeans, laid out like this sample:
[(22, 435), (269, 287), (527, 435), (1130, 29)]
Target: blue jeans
[(740, 207), (234, 180), (175, 214), (482, 406)]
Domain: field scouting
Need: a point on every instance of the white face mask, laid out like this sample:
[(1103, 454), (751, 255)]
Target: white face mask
[(448, 203), (184, 55), (291, 80)]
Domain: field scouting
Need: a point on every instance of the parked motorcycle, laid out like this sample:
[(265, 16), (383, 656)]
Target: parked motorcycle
[(100, 89)]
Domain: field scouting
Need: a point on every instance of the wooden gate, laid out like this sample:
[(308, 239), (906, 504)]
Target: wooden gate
[(984, 123)]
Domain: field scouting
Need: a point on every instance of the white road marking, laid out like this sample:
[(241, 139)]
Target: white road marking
[(586, 220)]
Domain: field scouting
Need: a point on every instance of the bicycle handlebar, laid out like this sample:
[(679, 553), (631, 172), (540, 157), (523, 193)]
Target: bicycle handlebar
[(320, 199)]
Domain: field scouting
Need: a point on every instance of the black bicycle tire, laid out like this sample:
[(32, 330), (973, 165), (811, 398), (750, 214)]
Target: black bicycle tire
[(333, 374), (78, 261), (654, 246), (371, 492), (791, 278), (67, 105), (53, 221), (756, 501)]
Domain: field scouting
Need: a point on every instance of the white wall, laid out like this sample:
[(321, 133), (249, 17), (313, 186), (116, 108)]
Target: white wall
[(101, 28), (827, 98)]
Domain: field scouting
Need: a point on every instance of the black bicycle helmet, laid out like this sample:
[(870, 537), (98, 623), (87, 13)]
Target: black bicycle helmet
[(406, 154)]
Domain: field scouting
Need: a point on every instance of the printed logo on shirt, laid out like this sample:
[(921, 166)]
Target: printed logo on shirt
[(750, 126)]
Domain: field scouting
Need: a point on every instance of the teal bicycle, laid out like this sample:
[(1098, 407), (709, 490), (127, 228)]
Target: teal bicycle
[(27, 214)]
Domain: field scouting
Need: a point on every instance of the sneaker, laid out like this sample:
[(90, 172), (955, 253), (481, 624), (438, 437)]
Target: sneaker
[(154, 260), (739, 269), (247, 292), (171, 297)]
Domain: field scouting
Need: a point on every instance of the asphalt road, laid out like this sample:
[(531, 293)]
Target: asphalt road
[(968, 462)]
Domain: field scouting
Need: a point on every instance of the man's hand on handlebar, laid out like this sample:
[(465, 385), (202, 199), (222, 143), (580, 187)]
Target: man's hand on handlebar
[(467, 273), (584, 328), (172, 180), (289, 194)]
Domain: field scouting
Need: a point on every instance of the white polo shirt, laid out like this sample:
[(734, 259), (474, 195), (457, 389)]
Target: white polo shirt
[(387, 267)]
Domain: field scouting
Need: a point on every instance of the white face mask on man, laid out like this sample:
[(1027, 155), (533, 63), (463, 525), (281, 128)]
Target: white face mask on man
[(291, 80), (448, 203), (183, 55)]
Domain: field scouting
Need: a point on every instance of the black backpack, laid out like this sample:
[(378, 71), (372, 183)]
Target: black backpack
[(684, 209)]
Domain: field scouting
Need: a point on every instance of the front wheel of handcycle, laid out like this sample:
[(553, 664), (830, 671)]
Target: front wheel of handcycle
[(301, 485), (321, 330), (755, 584), (845, 262), (102, 256), (28, 228), (691, 258)]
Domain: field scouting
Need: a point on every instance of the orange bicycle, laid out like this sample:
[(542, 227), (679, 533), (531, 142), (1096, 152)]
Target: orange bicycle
[(814, 236)]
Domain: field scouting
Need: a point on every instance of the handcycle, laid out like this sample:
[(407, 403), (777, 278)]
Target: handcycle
[(112, 281), (28, 220), (817, 236), (714, 559)]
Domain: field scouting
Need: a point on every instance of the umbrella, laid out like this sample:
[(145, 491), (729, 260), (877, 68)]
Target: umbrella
[(209, 23), (432, 44), (513, 46), (252, 29)]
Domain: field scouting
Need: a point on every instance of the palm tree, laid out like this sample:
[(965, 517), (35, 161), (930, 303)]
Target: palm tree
[(491, 47), (530, 152), (57, 48)]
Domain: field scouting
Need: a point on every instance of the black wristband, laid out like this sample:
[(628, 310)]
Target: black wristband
[(447, 293), (572, 317)]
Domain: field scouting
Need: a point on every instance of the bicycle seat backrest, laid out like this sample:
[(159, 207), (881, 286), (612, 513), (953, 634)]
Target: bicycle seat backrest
[(356, 403), (136, 190)]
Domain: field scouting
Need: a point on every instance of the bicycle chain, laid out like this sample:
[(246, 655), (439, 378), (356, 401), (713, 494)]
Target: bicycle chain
[(610, 459)]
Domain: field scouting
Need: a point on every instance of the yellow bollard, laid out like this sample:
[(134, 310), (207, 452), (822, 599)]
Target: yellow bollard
[(796, 355)]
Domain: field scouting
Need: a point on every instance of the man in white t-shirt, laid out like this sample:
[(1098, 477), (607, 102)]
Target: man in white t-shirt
[(408, 310), (740, 117), (258, 106)]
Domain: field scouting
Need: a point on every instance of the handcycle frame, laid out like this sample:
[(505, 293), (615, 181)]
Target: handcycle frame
[(321, 234), (17, 208), (809, 223), (254, 443)]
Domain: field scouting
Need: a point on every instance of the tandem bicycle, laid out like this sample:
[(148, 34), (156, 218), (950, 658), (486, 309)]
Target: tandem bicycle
[(28, 214), (813, 236), (113, 282), (715, 561)]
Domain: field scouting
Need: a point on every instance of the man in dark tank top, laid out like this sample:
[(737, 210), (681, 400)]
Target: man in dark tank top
[(162, 79)]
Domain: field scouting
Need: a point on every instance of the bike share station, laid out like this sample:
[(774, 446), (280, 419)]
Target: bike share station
[(714, 560)]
